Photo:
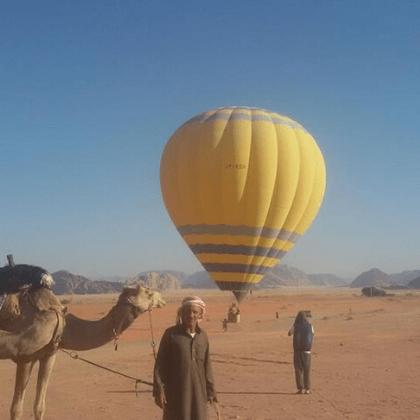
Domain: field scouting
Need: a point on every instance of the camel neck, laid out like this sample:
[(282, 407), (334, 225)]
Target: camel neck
[(80, 334)]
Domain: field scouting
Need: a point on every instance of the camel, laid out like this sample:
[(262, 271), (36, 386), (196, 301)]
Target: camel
[(38, 327), (46, 328)]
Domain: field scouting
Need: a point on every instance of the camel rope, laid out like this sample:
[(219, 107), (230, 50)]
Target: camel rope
[(153, 344), (75, 356), (217, 408)]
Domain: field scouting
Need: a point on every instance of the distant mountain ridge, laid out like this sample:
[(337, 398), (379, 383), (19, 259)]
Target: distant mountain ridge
[(199, 280), (157, 280), (284, 275), (405, 277), (415, 283), (374, 277), (280, 276), (67, 283), (327, 280)]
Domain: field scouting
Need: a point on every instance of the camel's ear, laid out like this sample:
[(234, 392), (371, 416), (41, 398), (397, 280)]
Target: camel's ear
[(65, 310), (123, 294)]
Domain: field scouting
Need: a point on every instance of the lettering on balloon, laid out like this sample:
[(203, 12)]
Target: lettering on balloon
[(235, 166)]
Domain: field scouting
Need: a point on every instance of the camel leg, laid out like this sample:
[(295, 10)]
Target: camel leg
[(46, 365), (23, 373)]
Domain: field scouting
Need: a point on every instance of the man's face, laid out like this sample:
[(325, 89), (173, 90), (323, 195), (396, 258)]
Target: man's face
[(190, 315)]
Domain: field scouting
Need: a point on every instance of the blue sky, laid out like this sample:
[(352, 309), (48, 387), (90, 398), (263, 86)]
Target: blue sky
[(91, 91)]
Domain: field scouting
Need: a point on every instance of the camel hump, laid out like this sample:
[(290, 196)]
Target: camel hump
[(14, 278)]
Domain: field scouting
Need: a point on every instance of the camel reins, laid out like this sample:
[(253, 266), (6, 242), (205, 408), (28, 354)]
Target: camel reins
[(75, 356), (117, 335), (153, 344), (122, 302)]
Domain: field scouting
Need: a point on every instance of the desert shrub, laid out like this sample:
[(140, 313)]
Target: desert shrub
[(65, 301)]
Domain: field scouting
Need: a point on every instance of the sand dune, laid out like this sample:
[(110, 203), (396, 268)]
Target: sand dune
[(365, 360)]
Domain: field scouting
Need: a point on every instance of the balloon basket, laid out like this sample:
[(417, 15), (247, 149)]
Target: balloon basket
[(234, 318)]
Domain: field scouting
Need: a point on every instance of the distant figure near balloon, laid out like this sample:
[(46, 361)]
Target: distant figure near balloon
[(224, 324), (241, 185)]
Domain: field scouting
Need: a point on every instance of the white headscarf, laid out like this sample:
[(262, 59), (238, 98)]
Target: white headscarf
[(194, 300), (190, 300)]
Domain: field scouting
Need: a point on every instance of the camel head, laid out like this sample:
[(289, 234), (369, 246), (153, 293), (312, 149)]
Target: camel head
[(141, 298), (82, 334)]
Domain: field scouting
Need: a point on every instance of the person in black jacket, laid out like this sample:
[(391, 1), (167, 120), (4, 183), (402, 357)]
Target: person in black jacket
[(303, 333)]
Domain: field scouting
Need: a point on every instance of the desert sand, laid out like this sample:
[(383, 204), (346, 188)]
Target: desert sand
[(365, 359)]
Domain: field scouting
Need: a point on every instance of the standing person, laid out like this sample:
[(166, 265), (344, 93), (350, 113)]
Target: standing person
[(224, 324), (303, 332), (183, 377)]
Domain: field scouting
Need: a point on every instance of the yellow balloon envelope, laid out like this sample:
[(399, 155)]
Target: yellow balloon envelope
[(241, 185)]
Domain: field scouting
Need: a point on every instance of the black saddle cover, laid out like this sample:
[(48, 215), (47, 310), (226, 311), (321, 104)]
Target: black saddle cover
[(13, 279)]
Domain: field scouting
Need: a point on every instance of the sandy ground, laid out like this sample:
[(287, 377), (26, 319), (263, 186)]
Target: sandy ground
[(365, 360)]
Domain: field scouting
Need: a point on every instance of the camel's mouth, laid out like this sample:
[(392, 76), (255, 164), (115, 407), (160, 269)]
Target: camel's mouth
[(161, 303)]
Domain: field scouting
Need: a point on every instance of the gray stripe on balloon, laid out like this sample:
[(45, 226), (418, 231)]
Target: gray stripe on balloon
[(258, 251), (234, 286), (235, 268), (241, 230)]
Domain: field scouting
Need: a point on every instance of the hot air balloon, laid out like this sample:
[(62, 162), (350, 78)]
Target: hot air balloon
[(241, 185)]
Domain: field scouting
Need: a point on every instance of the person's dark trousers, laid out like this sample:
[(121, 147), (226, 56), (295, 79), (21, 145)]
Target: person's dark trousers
[(302, 363)]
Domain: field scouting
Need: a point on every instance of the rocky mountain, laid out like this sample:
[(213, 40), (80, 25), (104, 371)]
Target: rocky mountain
[(199, 280), (415, 283), (284, 275), (68, 283), (178, 274), (112, 279), (157, 281), (374, 277), (405, 277), (281, 275), (327, 280)]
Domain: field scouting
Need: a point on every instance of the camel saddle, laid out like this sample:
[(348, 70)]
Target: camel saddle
[(21, 276)]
